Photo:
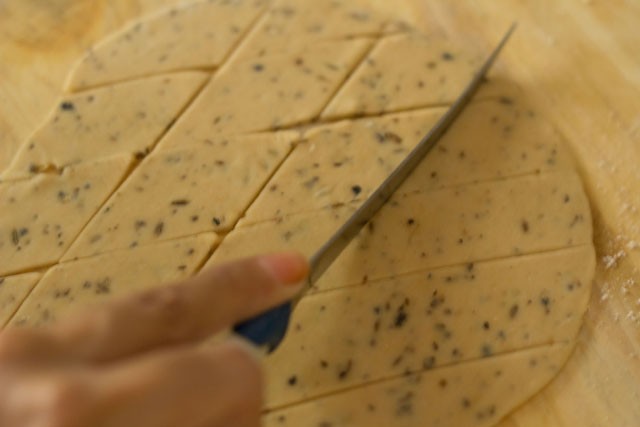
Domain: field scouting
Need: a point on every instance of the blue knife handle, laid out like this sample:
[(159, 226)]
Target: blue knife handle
[(267, 329)]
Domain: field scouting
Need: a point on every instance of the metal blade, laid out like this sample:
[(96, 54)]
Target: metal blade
[(325, 256)]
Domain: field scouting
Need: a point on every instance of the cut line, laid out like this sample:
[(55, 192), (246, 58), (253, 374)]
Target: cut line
[(311, 293), (391, 378), (402, 194)]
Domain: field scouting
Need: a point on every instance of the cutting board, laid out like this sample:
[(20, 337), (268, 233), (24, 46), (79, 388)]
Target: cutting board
[(577, 60)]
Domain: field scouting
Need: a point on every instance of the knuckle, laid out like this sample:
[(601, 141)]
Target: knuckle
[(170, 306), (87, 330), (60, 396), (169, 301), (13, 343), (63, 401)]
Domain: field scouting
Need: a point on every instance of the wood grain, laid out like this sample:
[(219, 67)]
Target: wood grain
[(577, 60)]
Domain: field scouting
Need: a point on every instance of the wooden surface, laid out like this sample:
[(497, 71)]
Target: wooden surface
[(578, 60)]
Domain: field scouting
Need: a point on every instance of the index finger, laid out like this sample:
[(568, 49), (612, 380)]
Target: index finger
[(179, 313)]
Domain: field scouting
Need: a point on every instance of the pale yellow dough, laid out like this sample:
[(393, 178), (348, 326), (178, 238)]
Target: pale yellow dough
[(344, 162), (303, 233), (475, 394), (13, 290), (197, 35), (106, 121), (456, 303), (42, 216), (76, 284), (310, 22), (402, 72), (269, 93), (184, 191), (340, 163), (453, 225), (460, 313)]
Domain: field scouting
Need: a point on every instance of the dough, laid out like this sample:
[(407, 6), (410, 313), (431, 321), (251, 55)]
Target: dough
[(196, 35), (456, 303), (304, 233), (463, 224), (42, 216), (474, 394), (107, 121), (90, 281), (268, 93), (461, 313), (310, 22), (184, 191), (343, 162), (339, 163), (402, 72), (13, 290)]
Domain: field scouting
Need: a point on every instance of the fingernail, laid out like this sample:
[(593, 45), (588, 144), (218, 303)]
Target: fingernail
[(289, 268)]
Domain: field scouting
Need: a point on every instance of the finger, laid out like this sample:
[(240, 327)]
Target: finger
[(218, 386), (182, 312), (42, 398), (25, 346)]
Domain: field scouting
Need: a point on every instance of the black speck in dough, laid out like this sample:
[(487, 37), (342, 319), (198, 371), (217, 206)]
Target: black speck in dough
[(67, 106)]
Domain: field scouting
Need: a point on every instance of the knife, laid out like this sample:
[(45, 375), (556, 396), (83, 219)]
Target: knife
[(268, 329)]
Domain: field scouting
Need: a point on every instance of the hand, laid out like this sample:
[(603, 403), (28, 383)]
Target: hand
[(134, 362)]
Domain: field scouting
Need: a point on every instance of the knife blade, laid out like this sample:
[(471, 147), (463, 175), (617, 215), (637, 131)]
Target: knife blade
[(268, 329)]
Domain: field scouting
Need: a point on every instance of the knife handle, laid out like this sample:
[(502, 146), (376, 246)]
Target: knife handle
[(267, 329)]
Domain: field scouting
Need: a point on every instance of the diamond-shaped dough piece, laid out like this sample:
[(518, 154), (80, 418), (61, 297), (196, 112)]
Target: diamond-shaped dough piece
[(347, 161), (303, 233), (75, 284), (475, 394), (107, 121), (492, 139), (292, 25), (429, 319), (339, 163), (195, 35), (13, 290), (405, 71), (432, 229), (270, 93), (184, 191), (41, 216)]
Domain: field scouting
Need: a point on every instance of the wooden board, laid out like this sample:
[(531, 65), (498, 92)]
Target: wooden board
[(578, 60)]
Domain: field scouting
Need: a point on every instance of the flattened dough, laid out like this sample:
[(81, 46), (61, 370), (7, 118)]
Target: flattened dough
[(459, 301), (13, 290), (492, 139), (184, 191), (435, 228), (474, 394), (339, 163), (194, 35), (467, 224), (405, 71), (41, 216), (269, 93), (303, 233), (292, 25), (428, 320), (107, 121), (346, 161), (75, 284)]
